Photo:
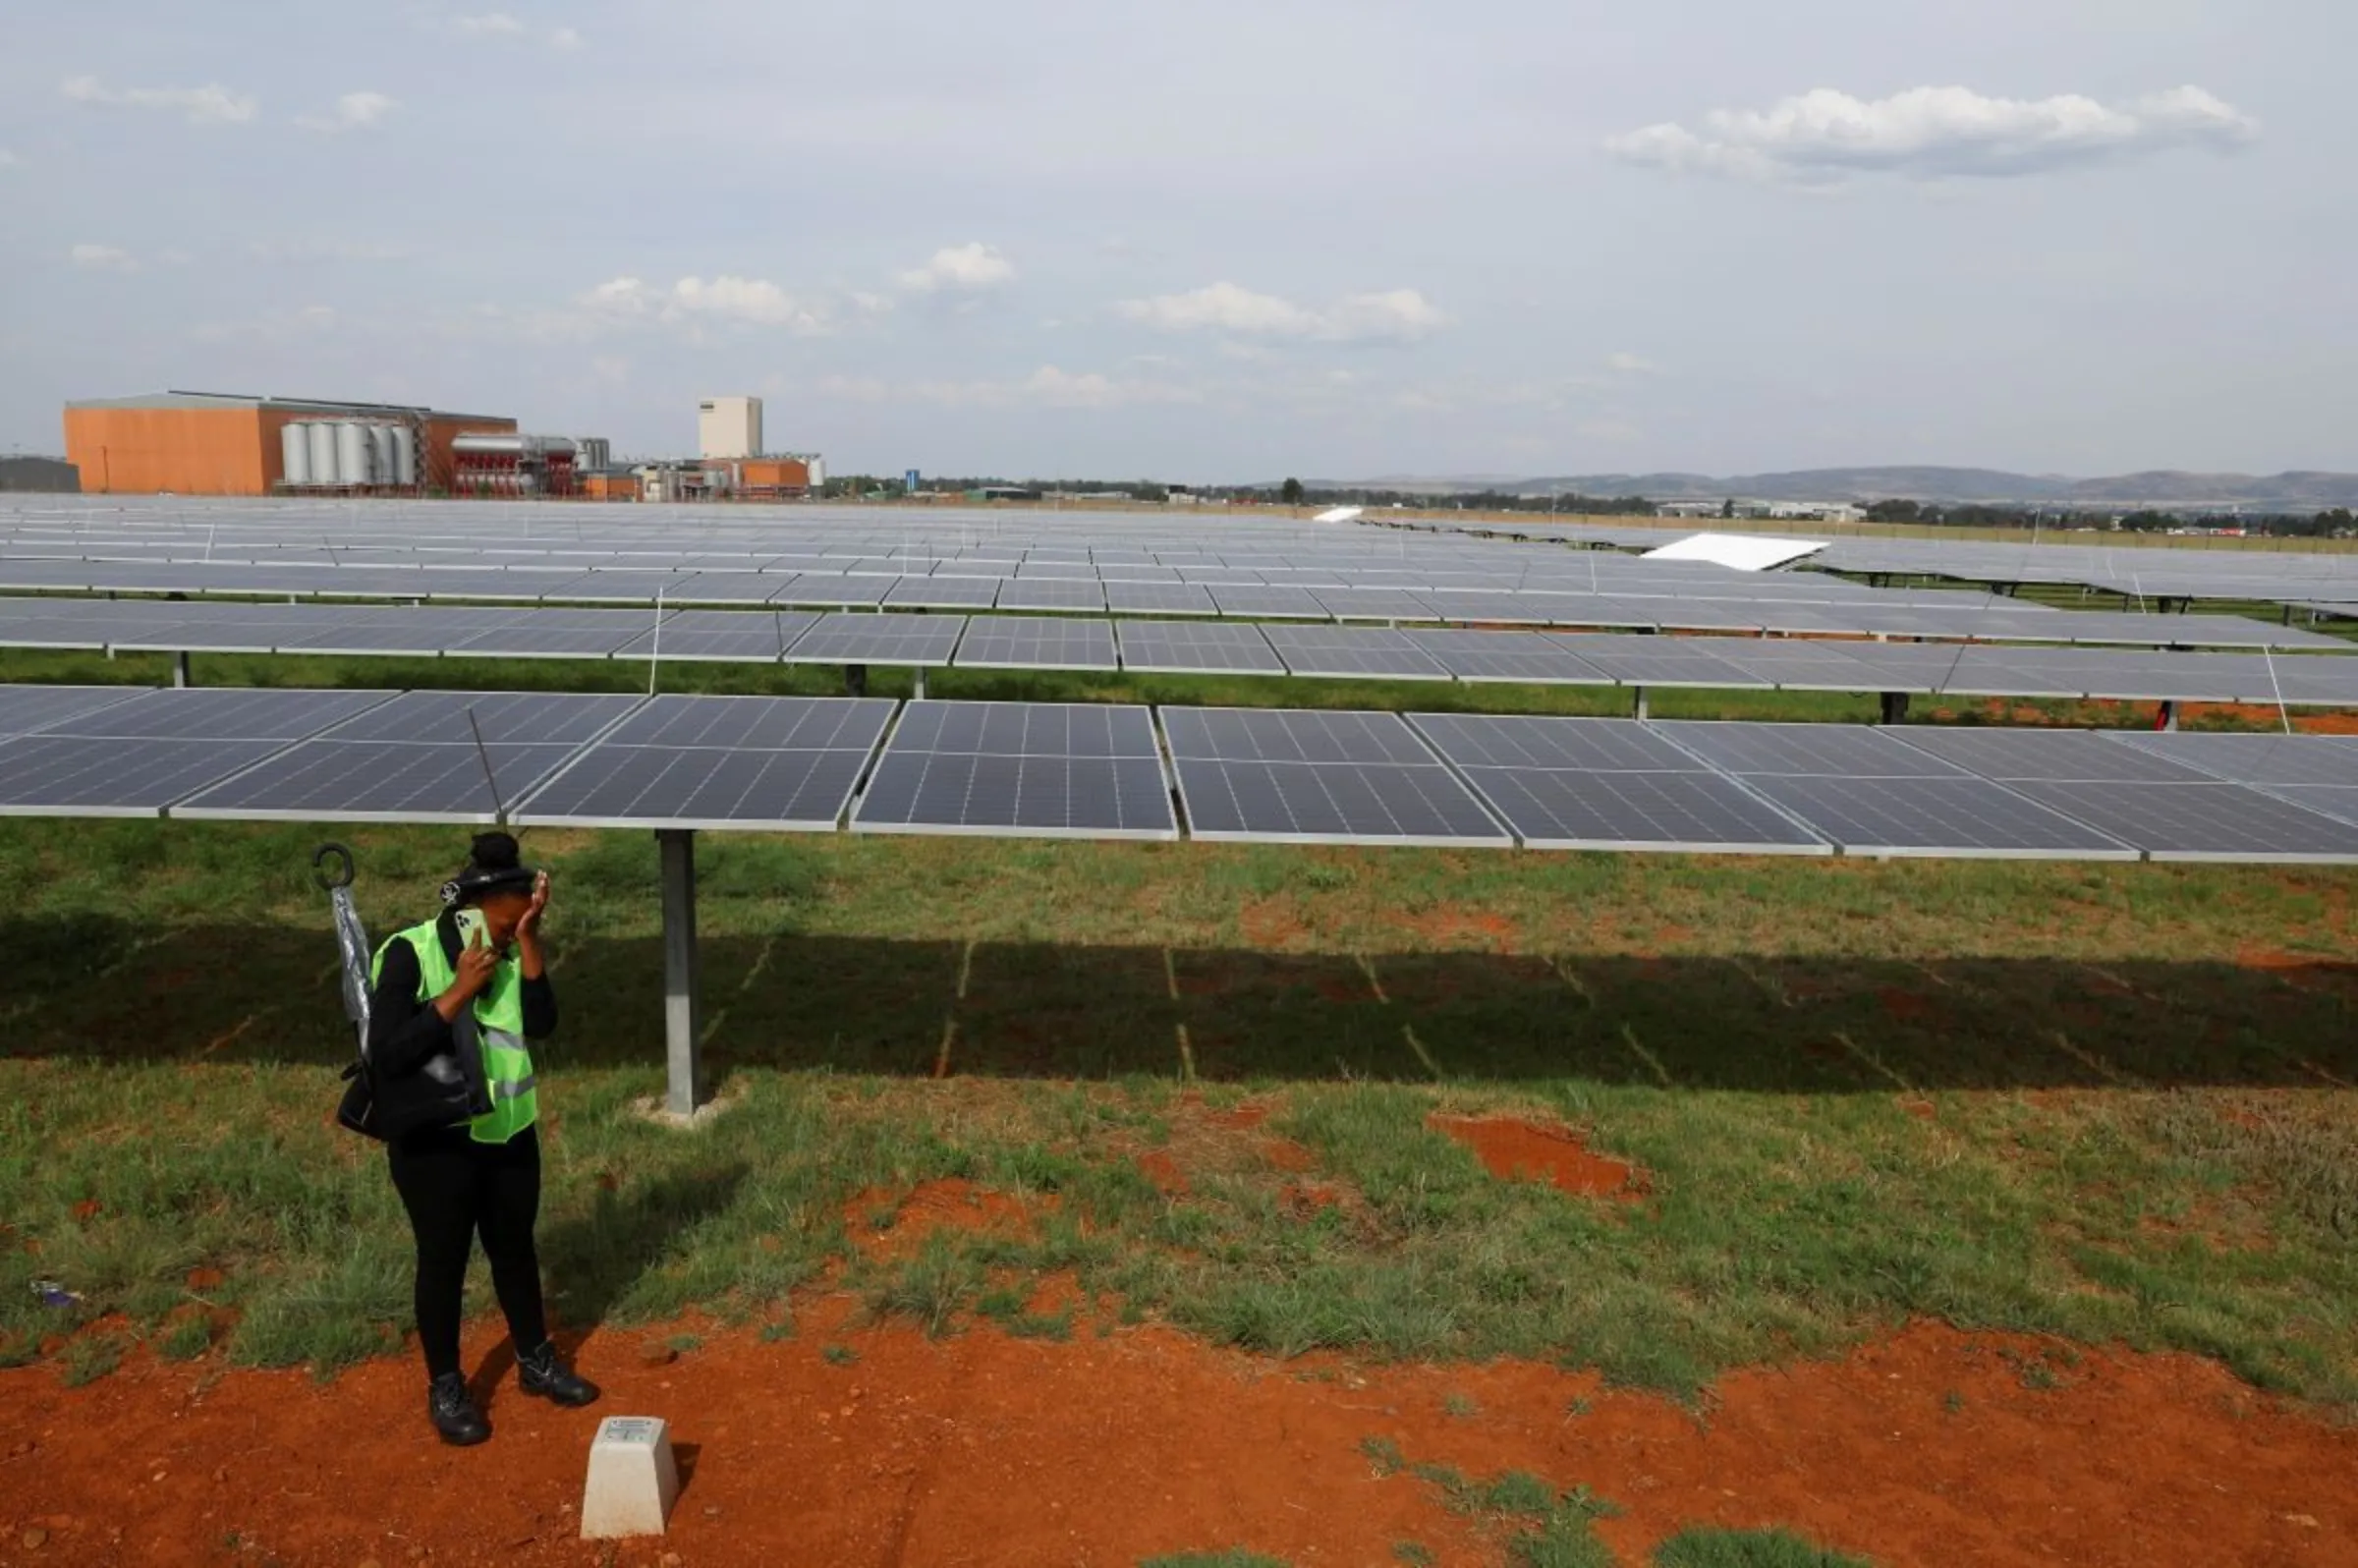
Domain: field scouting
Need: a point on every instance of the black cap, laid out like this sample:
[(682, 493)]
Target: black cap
[(494, 865)]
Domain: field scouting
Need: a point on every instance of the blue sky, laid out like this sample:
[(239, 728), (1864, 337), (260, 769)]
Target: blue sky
[(1215, 241)]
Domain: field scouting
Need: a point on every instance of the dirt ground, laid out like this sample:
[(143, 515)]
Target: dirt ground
[(1932, 1449)]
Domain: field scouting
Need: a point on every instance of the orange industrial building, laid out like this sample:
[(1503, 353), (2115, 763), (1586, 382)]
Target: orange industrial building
[(204, 443)]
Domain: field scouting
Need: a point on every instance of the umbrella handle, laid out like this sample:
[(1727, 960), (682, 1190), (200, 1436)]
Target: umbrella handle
[(340, 876)]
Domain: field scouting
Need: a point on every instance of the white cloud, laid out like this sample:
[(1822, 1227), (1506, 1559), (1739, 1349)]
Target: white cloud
[(1631, 365), (1934, 132), (565, 40), (280, 326), (102, 259), (354, 111), (1399, 315), (210, 104), (491, 24), (8, 159), (743, 301), (960, 269)]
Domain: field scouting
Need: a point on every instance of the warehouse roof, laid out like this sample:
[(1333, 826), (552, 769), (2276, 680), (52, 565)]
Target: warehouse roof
[(237, 400)]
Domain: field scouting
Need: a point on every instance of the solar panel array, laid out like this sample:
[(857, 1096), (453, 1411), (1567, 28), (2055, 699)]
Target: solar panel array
[(815, 558), (1086, 771), (1316, 649)]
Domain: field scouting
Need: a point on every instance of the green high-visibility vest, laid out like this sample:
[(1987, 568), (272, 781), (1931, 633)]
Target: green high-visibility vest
[(499, 1023)]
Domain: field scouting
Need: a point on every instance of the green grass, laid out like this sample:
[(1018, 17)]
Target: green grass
[(2133, 1138), (1748, 1548)]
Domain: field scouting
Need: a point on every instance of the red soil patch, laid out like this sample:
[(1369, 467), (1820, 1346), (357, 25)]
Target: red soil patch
[(1286, 1154), (1447, 926), (1237, 1118), (1271, 923), (2260, 716), (1924, 1451), (1923, 1110), (949, 1204), (1158, 1167), (1525, 1150)]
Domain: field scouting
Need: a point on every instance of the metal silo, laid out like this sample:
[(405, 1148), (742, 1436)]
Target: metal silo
[(405, 456), (355, 455), (381, 449), (294, 454), (320, 436)]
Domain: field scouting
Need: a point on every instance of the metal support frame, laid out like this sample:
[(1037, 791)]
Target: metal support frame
[(1642, 709), (2169, 719), (920, 683), (180, 671), (682, 1026)]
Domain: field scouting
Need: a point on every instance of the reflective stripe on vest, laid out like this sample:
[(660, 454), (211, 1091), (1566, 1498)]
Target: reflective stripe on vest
[(499, 1025)]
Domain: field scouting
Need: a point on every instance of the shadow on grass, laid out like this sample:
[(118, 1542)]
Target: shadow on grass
[(592, 1260), (96, 988)]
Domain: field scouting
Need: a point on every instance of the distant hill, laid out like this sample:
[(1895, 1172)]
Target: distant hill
[(2295, 492)]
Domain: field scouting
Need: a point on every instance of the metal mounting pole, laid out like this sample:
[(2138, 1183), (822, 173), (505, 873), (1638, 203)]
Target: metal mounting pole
[(855, 680), (682, 1029), (1642, 711), (180, 670), (2169, 719), (920, 683), (1895, 707)]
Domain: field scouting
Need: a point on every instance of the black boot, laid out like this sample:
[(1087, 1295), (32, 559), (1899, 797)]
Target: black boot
[(452, 1410), (538, 1371)]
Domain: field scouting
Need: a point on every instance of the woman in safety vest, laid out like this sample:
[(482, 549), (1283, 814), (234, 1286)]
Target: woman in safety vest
[(452, 1003)]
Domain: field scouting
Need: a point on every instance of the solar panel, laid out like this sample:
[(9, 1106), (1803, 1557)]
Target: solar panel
[(27, 708), (222, 713), (535, 636), (822, 592), (943, 593), (1158, 598), (2261, 759), (623, 585), (508, 717), (1271, 603), (1040, 593), (1826, 750), (73, 775), (1280, 776), (1693, 812), (1655, 660), (761, 762), (1066, 771), (1037, 642), (1352, 651), (722, 636), (1374, 604), (2207, 822), (1488, 606), (1583, 783), (1958, 815), (2049, 755), (1184, 648), (909, 640), (1524, 656), (1285, 735), (1582, 745)]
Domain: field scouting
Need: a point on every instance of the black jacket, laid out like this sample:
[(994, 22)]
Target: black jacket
[(424, 1073)]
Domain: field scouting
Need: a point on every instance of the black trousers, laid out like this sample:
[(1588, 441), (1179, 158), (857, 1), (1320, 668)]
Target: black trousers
[(455, 1190)]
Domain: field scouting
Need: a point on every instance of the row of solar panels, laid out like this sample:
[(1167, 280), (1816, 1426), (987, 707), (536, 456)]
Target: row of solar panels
[(1387, 605), (1184, 648), (959, 583), (1101, 771)]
